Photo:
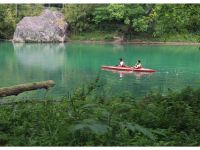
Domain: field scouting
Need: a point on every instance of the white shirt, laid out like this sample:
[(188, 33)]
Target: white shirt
[(138, 65), (121, 63)]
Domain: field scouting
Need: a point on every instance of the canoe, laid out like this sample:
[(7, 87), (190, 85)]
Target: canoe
[(144, 70), (117, 68), (127, 68)]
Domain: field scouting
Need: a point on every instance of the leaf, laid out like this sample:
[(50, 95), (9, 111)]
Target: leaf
[(87, 106), (99, 128), (140, 129), (131, 127), (93, 125), (160, 132)]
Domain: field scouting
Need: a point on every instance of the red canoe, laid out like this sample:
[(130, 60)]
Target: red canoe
[(144, 70), (117, 68), (127, 68)]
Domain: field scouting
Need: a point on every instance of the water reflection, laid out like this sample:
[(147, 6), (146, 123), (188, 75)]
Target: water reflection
[(44, 56), (122, 74), (139, 75)]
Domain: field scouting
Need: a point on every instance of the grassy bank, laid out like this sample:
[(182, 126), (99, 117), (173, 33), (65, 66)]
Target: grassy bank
[(94, 36), (110, 36), (89, 119)]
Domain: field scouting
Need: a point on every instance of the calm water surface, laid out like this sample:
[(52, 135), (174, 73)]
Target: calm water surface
[(73, 65)]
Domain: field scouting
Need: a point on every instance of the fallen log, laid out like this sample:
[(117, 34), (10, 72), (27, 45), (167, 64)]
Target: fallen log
[(15, 90)]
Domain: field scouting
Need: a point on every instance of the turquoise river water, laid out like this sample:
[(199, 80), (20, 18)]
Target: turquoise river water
[(72, 65)]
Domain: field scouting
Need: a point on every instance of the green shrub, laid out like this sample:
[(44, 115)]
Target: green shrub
[(109, 37), (155, 120)]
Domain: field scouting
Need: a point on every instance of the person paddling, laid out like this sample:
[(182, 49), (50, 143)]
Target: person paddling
[(138, 65), (121, 63)]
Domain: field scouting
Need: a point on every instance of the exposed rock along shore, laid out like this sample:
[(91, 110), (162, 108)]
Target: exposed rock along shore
[(48, 27)]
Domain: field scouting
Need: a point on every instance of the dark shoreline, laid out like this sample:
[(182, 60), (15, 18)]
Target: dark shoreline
[(136, 42), (123, 42)]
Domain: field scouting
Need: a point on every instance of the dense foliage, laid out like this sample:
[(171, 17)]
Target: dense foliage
[(89, 119), (7, 21), (125, 20)]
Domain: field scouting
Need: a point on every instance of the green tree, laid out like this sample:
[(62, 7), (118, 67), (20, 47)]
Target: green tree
[(7, 21), (79, 16), (130, 18), (182, 18), (29, 10)]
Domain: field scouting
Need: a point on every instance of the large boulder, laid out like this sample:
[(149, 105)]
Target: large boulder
[(49, 27)]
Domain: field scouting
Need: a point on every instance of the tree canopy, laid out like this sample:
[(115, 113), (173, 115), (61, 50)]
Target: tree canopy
[(127, 19)]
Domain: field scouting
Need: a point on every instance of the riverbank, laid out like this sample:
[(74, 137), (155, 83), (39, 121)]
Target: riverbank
[(136, 42), (114, 38)]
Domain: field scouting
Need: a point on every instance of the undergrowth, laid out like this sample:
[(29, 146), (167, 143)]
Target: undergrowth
[(85, 120)]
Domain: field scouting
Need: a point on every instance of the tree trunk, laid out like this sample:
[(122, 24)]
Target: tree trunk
[(16, 10), (15, 90)]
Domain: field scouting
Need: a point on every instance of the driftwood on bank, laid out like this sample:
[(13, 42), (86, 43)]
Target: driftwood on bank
[(15, 90)]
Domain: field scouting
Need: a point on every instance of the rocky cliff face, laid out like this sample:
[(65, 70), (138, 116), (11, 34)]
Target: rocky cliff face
[(49, 27)]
